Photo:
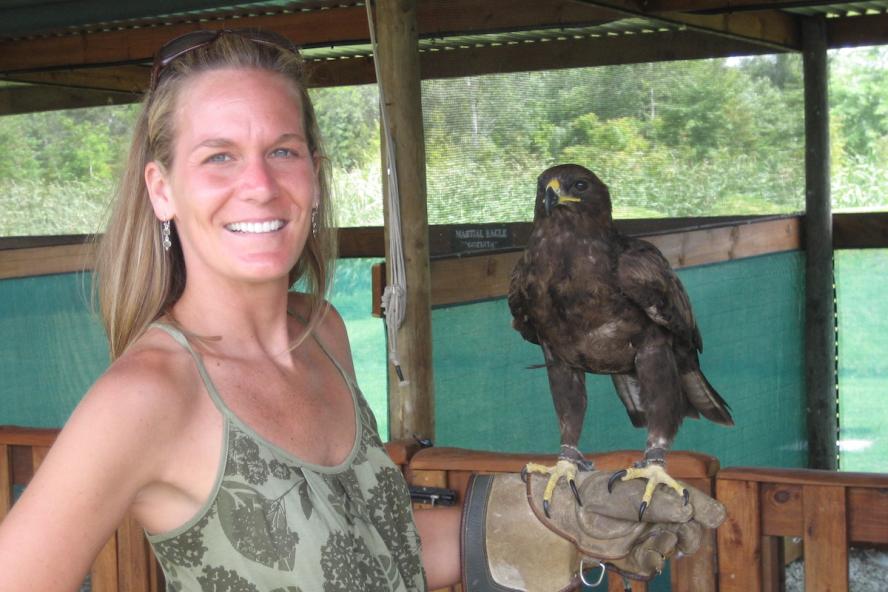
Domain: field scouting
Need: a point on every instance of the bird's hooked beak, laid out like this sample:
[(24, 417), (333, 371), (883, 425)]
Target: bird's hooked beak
[(554, 196)]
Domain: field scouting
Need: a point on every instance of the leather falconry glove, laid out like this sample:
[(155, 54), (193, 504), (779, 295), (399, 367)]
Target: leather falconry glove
[(509, 544)]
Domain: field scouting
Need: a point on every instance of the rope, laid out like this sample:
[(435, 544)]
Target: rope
[(394, 297)]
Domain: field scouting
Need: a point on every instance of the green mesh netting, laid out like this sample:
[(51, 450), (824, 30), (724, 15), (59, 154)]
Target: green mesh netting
[(861, 281), (750, 314), (53, 348)]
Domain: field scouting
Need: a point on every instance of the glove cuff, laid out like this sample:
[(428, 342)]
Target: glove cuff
[(505, 548)]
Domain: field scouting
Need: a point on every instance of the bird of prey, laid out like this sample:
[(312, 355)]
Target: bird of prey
[(602, 302)]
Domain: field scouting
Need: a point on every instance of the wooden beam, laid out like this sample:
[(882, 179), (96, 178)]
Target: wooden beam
[(719, 6), (770, 28), (739, 538), (411, 399), (825, 539), (336, 25), (820, 328), (856, 31), (33, 99), (867, 230), (467, 279), (45, 260), (126, 79), (656, 46)]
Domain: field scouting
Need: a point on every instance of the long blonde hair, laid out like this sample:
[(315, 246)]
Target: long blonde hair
[(137, 281)]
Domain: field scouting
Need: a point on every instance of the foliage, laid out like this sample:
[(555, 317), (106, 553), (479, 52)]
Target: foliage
[(690, 138)]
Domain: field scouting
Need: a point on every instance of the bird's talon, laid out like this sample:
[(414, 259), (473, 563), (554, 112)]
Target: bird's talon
[(686, 496), (641, 510), (546, 508), (573, 487), (614, 478), (524, 474)]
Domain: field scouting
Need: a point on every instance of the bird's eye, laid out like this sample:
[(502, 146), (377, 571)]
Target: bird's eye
[(581, 186)]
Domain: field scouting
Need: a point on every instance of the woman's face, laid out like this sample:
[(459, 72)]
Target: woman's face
[(243, 182)]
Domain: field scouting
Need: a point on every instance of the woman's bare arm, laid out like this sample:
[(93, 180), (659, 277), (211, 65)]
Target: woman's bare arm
[(439, 533), (89, 479)]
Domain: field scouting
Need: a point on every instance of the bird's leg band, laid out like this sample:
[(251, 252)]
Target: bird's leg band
[(655, 454)]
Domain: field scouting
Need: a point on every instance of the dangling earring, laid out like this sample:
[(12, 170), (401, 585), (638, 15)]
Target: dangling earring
[(165, 235), (314, 221)]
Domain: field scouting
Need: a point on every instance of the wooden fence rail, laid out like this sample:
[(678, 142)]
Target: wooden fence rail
[(125, 562), (828, 510)]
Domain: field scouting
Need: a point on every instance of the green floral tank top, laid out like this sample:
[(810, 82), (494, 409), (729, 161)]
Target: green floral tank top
[(274, 523)]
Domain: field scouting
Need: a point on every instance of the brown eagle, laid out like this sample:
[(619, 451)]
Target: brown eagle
[(598, 301)]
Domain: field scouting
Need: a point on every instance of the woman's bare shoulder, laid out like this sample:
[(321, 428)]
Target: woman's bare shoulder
[(151, 385)]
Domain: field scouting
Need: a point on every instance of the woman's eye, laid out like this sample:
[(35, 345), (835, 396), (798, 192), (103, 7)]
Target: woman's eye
[(221, 157), (282, 153), (581, 186)]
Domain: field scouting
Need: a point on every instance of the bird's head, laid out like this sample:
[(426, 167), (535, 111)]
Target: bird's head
[(572, 186)]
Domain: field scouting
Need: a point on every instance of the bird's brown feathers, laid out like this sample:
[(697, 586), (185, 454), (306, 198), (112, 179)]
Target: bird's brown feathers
[(598, 301)]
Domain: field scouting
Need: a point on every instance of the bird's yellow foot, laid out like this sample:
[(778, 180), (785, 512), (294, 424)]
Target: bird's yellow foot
[(563, 469), (656, 475)]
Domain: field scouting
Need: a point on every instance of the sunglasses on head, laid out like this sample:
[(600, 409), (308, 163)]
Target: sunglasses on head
[(188, 42)]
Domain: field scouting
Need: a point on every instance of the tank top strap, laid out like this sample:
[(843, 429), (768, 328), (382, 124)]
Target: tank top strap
[(179, 337), (351, 383)]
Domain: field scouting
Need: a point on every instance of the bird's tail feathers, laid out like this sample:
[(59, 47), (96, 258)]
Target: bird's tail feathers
[(703, 397)]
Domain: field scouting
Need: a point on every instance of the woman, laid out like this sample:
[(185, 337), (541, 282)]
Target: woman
[(229, 421)]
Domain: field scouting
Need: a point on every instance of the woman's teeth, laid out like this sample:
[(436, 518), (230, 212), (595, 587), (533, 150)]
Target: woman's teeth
[(255, 227)]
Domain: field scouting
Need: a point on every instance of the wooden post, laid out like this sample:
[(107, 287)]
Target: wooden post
[(411, 405), (820, 336)]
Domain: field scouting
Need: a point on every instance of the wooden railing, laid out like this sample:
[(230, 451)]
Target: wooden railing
[(451, 467), (828, 510), (125, 562)]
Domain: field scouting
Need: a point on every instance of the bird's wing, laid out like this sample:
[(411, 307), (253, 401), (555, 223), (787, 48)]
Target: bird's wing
[(645, 277), (519, 303), (629, 389)]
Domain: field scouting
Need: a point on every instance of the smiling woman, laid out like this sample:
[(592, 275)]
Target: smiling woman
[(229, 423)]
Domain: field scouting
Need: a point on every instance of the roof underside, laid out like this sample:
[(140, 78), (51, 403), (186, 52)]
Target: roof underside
[(98, 51)]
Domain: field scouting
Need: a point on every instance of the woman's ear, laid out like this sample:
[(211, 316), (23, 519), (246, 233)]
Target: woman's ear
[(159, 191)]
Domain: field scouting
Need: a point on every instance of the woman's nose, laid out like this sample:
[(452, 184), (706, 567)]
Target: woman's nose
[(258, 181)]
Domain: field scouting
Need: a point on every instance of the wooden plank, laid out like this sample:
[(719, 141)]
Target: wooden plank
[(739, 538), (44, 260), (38, 454), (781, 509), (682, 464), (860, 230), (411, 399), (770, 28), (19, 436), (33, 99), (568, 52), (868, 514), (22, 465), (5, 480), (805, 477), (138, 44), (125, 79), (772, 564), (132, 556), (825, 538), (103, 574), (480, 277), (820, 329), (856, 31), (697, 572)]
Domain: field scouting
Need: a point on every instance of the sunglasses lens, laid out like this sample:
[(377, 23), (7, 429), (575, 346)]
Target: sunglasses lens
[(197, 39)]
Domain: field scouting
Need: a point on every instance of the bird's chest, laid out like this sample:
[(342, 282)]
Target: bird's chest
[(582, 313)]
